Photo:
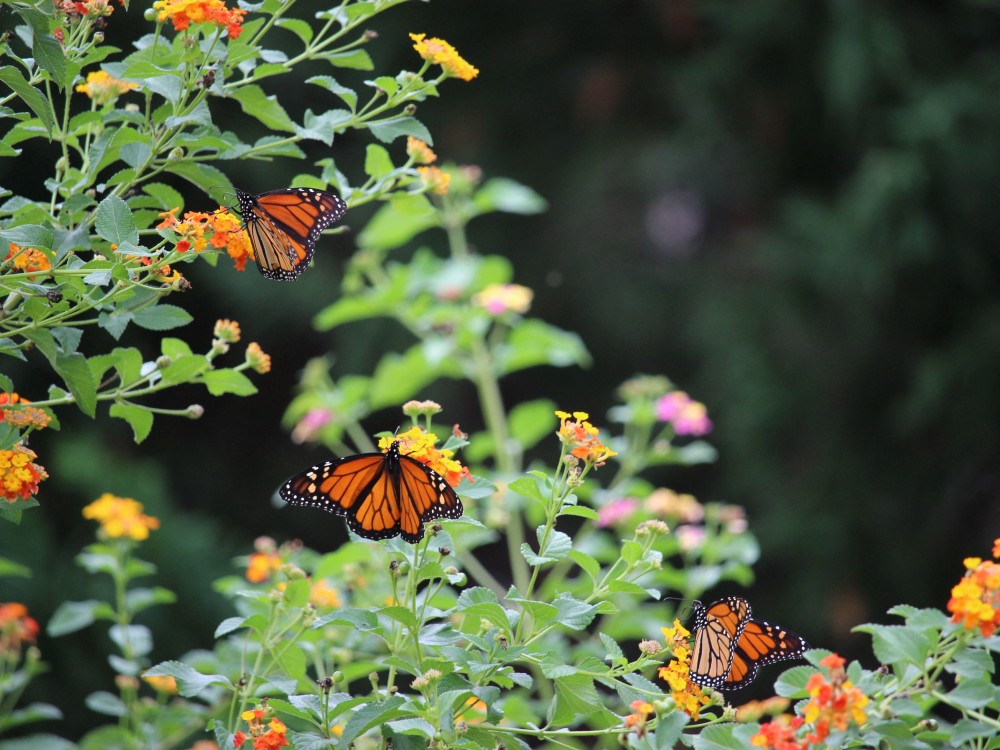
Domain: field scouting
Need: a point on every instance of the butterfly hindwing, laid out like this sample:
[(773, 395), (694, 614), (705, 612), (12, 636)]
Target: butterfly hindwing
[(730, 646), (283, 226), (381, 494)]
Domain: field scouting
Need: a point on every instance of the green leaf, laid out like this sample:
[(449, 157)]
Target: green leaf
[(35, 101), (368, 716), (162, 317), (300, 28), (389, 228), (575, 696), (44, 47), (792, 682), (229, 625), (356, 59), (185, 368), (72, 616), (378, 163), (106, 703), (75, 372), (33, 235), (264, 108), (347, 95), (389, 130), (481, 602), (894, 644), (587, 563), (725, 737), (502, 194), (11, 568), (226, 380), (573, 613), (198, 174), (972, 694), (115, 223), (137, 600), (581, 511), (614, 650), (39, 742), (190, 682), (140, 419), (528, 487), (534, 342)]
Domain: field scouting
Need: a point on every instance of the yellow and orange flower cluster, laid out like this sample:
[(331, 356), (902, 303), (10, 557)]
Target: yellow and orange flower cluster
[(581, 436), (97, 8), (183, 13), (975, 600), (19, 475), (16, 629), (835, 704), (161, 683), (257, 358), (23, 416), (637, 720), (435, 180), (419, 151), (197, 230), (121, 517), (103, 89), (264, 735), (439, 52), (688, 696), (498, 299), (419, 445), (27, 259), (266, 560)]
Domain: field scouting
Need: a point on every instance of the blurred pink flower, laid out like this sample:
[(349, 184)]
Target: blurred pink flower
[(310, 424), (690, 537), (615, 511), (689, 417)]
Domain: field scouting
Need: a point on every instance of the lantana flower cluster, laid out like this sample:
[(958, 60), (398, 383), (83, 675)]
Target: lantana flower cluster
[(264, 734), (19, 474), (835, 704), (975, 600), (687, 416), (121, 517), (439, 52), (220, 229), (498, 299), (688, 696), (17, 628), (103, 89), (183, 13), (25, 415), (27, 260), (419, 445), (581, 437)]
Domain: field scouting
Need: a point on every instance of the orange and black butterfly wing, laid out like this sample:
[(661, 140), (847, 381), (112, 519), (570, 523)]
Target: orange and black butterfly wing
[(381, 494), (761, 643), (717, 630), (343, 487), (283, 226), (424, 495)]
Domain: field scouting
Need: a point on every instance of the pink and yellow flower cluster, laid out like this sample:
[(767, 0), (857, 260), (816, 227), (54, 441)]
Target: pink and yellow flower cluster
[(581, 437), (197, 230)]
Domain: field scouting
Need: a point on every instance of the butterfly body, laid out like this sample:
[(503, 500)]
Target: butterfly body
[(283, 226), (730, 646), (382, 495)]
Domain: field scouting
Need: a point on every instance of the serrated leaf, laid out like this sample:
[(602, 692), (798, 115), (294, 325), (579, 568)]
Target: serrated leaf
[(162, 317), (29, 95), (368, 716), (389, 130), (76, 374), (190, 682), (226, 380), (378, 163), (114, 222), (139, 419), (263, 108)]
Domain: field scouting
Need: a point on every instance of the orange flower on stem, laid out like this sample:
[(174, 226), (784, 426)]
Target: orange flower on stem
[(198, 230), (975, 600), (419, 445), (580, 436), (27, 260), (16, 628)]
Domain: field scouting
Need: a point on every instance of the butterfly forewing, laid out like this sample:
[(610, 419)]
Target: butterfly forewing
[(381, 494), (729, 646), (283, 226)]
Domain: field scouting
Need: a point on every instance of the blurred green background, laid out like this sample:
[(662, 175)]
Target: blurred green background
[(786, 207)]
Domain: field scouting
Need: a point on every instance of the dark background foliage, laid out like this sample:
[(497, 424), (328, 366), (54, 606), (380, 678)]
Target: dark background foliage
[(786, 207)]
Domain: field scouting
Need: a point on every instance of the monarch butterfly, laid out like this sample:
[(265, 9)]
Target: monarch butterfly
[(729, 646), (381, 494), (283, 226)]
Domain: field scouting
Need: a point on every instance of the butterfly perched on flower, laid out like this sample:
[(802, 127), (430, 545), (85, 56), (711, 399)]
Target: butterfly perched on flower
[(381, 494), (730, 646), (283, 226)]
